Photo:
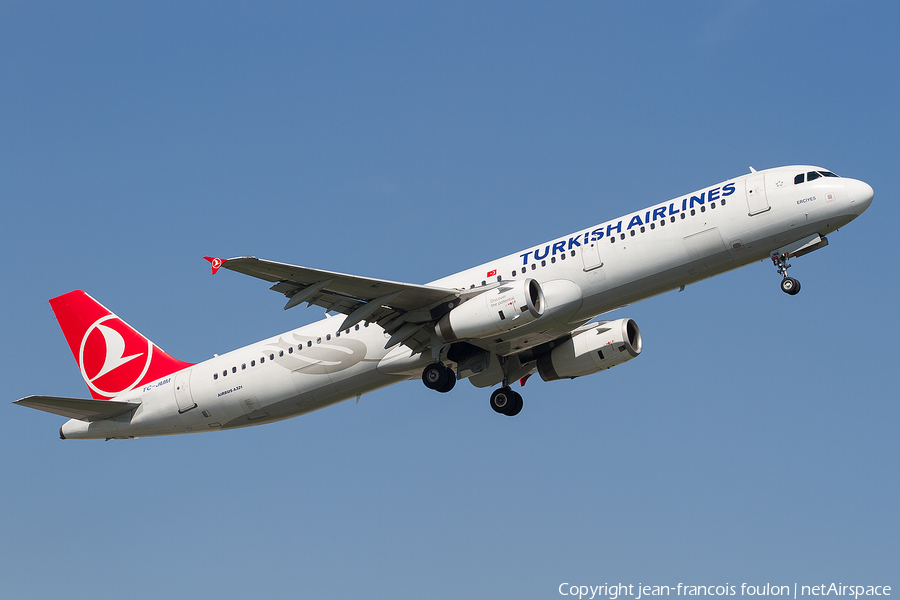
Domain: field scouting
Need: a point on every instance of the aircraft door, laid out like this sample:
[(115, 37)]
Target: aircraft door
[(756, 195), (183, 396), (590, 254)]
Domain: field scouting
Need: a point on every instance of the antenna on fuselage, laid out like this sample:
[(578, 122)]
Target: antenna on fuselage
[(752, 170)]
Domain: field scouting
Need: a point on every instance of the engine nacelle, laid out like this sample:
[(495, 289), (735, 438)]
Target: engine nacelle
[(598, 349), (501, 309)]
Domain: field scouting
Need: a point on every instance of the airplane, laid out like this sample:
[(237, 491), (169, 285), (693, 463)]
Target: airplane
[(529, 312)]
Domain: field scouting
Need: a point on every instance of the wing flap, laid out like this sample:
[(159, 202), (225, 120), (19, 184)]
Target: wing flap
[(388, 303), (79, 408), (291, 279)]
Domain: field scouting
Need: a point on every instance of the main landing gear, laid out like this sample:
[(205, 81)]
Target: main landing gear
[(789, 285), (506, 402), (438, 377), (441, 378)]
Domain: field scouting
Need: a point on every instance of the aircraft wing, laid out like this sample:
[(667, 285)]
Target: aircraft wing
[(404, 310), (79, 408)]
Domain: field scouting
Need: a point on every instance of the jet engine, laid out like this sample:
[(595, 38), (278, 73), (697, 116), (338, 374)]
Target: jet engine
[(591, 351), (498, 310)]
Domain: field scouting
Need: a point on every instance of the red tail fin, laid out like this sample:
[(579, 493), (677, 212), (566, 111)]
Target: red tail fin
[(112, 356)]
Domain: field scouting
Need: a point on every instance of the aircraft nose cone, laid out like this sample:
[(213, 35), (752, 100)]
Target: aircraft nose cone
[(860, 194)]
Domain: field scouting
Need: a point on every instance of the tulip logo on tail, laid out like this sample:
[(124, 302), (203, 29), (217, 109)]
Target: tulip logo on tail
[(112, 356), (109, 364)]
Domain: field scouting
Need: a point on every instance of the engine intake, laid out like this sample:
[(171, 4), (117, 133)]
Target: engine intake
[(591, 351), (499, 310)]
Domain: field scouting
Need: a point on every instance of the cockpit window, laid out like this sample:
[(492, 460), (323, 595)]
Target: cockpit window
[(812, 175)]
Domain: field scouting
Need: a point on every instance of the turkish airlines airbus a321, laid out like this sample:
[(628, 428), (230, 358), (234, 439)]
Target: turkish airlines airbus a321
[(492, 324)]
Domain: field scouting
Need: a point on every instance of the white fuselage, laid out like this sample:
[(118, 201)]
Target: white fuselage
[(587, 273)]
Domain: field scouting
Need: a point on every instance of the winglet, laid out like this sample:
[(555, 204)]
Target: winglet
[(215, 262)]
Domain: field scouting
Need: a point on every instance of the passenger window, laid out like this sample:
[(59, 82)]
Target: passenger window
[(621, 236), (272, 356), (243, 366), (514, 272), (563, 256), (215, 375), (234, 369), (318, 340), (338, 334), (643, 229), (812, 175), (309, 343), (723, 201), (290, 351), (672, 218), (328, 337), (683, 216), (693, 212), (357, 328), (543, 263), (262, 359), (703, 209), (573, 253), (553, 259), (632, 233), (281, 353), (798, 179), (252, 363), (484, 283), (224, 373), (652, 225), (712, 204), (533, 266)]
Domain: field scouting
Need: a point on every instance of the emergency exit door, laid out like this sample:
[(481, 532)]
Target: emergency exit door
[(590, 254)]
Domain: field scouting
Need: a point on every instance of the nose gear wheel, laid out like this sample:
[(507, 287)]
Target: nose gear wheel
[(789, 285)]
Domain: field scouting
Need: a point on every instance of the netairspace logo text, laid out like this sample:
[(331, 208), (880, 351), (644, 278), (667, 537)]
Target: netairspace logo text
[(640, 591)]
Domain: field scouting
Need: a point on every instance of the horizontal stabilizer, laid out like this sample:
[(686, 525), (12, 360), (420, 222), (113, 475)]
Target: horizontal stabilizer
[(79, 408)]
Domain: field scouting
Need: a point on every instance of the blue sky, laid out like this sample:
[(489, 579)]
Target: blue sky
[(754, 440)]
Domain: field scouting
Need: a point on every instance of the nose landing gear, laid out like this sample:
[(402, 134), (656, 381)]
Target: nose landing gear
[(789, 285)]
